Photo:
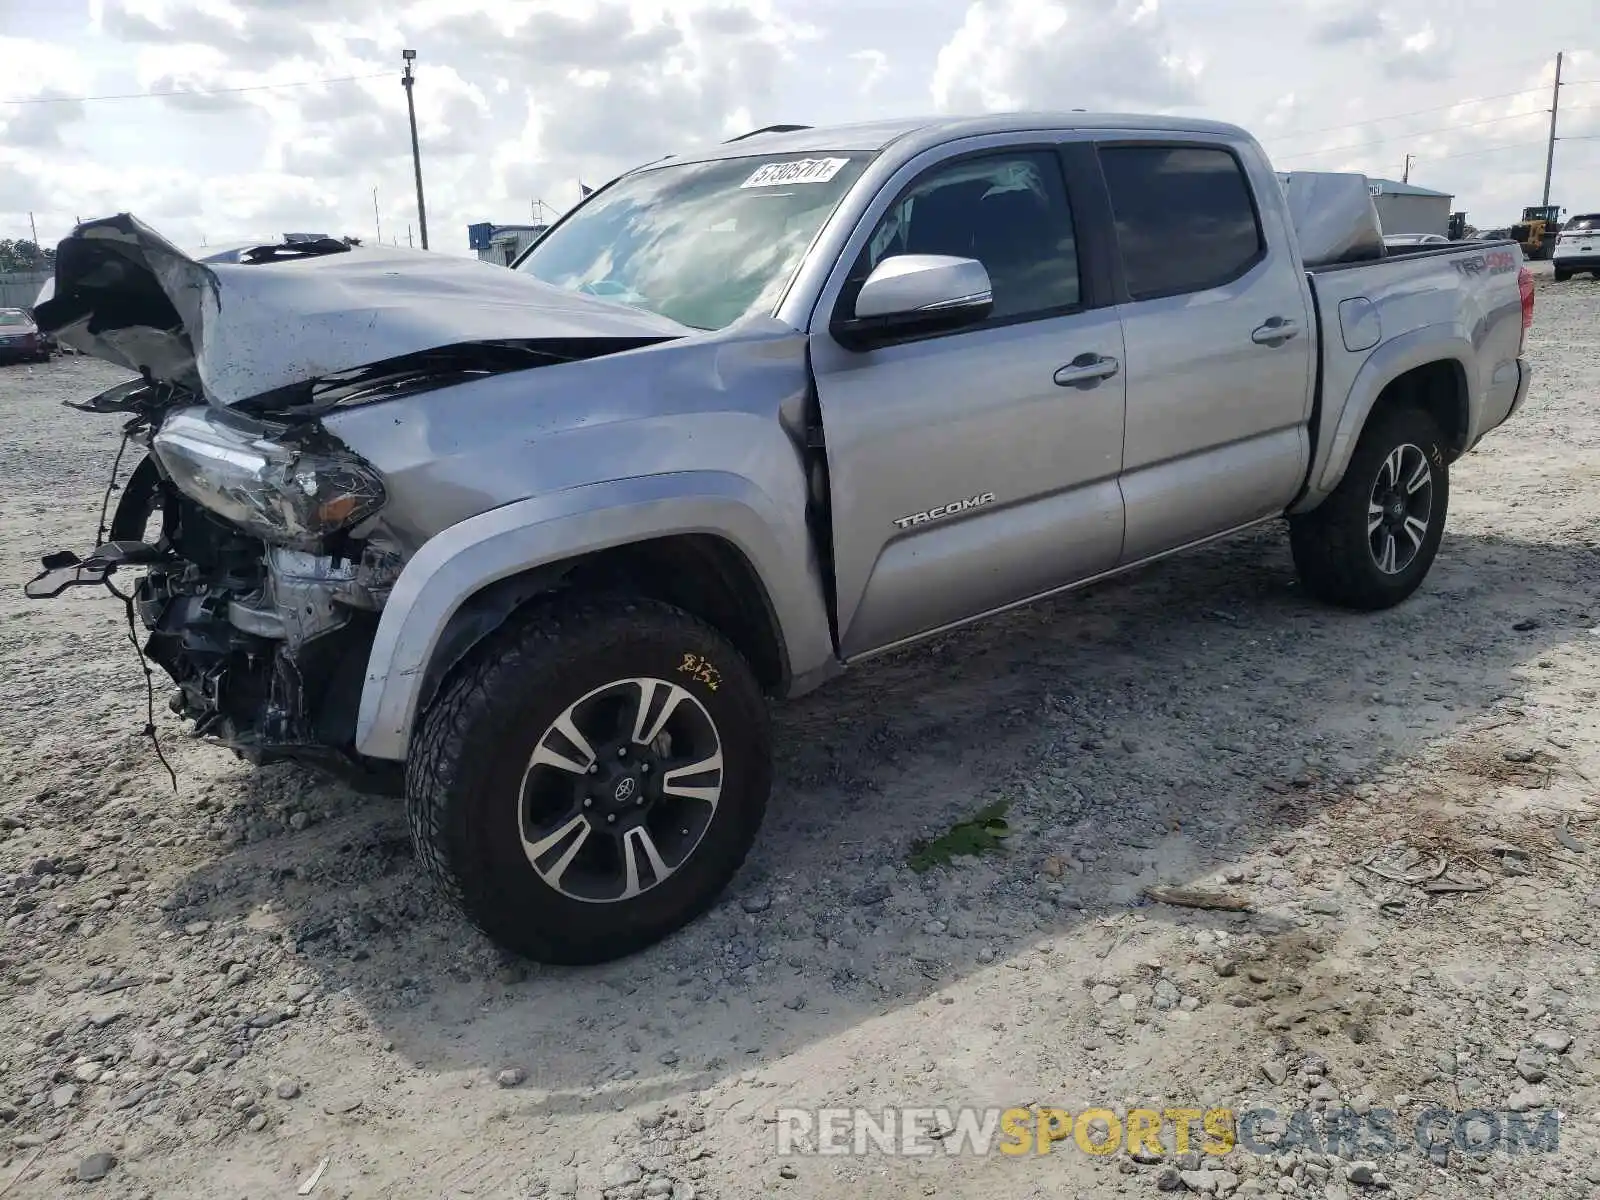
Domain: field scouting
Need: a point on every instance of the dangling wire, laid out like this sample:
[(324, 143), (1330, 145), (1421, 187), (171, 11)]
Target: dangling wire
[(105, 502), (127, 607), (149, 687)]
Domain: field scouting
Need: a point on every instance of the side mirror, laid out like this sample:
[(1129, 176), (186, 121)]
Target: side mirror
[(913, 295)]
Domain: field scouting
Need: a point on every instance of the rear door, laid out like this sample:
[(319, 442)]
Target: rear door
[(970, 470), (1220, 351)]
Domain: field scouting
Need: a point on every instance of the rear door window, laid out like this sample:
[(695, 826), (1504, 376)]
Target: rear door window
[(1185, 217)]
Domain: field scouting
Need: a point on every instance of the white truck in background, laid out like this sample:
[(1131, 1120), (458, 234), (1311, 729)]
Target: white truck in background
[(1577, 247)]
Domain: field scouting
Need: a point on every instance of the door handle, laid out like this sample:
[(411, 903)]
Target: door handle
[(1087, 370), (1275, 332)]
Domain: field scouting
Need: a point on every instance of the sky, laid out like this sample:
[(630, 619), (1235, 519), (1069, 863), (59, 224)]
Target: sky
[(289, 115)]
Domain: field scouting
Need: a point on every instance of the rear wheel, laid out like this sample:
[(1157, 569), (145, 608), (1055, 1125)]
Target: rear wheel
[(591, 779), (1370, 544)]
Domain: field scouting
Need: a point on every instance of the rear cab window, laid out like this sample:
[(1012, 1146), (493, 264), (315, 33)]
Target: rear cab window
[(1588, 223), (1185, 217)]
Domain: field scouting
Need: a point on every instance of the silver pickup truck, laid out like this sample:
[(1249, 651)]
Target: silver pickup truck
[(548, 537)]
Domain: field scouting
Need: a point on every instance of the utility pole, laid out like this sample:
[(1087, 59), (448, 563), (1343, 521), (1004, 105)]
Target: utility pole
[(376, 219), (1406, 176), (1550, 152), (409, 56), (35, 231), (409, 241)]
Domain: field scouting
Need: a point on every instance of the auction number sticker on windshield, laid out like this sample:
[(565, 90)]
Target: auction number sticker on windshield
[(804, 170)]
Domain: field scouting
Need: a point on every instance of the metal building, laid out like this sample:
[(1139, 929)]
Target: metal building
[(1406, 208), (501, 244)]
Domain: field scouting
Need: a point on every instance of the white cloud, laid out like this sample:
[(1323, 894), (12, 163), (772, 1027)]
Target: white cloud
[(1113, 54), (1347, 23), (248, 38), (877, 66), (43, 76), (41, 123), (1404, 40), (520, 99)]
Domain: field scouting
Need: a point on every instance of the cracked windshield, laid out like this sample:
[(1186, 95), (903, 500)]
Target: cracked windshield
[(700, 243)]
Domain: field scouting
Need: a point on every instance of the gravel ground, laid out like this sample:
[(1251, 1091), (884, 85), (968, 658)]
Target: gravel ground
[(213, 992)]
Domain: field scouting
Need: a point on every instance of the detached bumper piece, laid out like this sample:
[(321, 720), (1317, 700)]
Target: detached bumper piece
[(64, 569)]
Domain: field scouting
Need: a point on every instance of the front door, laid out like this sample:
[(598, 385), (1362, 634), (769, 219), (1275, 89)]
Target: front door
[(974, 469)]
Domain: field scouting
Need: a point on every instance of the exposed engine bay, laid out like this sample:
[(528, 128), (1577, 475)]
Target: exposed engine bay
[(267, 644)]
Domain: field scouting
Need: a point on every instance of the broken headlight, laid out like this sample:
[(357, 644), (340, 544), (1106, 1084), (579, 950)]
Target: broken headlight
[(285, 495)]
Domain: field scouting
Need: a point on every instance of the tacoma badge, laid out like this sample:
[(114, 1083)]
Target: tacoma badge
[(945, 510)]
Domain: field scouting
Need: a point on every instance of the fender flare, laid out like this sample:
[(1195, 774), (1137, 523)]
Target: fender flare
[(1417, 348), (459, 562)]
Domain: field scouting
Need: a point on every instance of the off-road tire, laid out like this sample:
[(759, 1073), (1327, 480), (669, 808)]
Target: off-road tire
[(1330, 544), (473, 743)]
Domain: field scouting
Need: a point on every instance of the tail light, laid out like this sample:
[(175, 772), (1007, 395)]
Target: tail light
[(1525, 287)]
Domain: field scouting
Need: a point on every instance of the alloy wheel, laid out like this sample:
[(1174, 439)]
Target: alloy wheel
[(1399, 508), (620, 789)]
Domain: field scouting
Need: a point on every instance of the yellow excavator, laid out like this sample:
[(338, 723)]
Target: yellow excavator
[(1537, 230)]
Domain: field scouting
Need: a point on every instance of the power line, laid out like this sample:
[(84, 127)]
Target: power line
[(1413, 133), (259, 87), (1504, 69), (1433, 158), (1417, 112), (1485, 150), (1413, 113)]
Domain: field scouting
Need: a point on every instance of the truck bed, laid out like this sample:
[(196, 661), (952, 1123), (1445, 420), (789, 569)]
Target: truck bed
[(1385, 316)]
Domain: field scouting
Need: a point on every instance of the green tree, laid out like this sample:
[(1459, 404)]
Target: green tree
[(23, 255)]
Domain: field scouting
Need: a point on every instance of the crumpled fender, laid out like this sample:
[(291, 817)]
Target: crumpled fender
[(456, 564)]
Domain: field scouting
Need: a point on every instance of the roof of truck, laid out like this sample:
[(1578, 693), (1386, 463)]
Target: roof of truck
[(875, 135)]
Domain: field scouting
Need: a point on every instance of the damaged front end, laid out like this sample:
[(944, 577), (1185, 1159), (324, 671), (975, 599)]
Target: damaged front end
[(259, 602), (263, 583)]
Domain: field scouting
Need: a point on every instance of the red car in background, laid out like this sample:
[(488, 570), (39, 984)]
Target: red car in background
[(20, 339)]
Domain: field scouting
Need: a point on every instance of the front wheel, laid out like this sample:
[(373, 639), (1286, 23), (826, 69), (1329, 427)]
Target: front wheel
[(1562, 276), (591, 778), (1370, 544)]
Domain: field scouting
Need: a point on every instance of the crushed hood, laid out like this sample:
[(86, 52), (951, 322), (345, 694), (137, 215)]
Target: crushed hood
[(232, 330)]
